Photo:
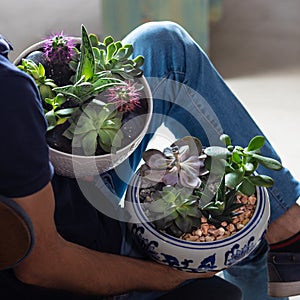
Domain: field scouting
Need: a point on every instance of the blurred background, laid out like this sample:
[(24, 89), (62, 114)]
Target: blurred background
[(255, 45)]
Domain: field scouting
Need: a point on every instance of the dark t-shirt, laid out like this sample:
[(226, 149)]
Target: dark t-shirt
[(25, 166), (24, 163)]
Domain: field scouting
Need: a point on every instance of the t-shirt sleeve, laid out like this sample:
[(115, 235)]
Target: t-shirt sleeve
[(24, 154)]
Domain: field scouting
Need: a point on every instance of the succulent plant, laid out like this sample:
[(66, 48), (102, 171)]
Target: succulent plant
[(110, 55), (178, 164), (222, 206), (239, 164), (174, 210), (55, 115), (59, 48), (95, 123), (126, 97), (37, 72)]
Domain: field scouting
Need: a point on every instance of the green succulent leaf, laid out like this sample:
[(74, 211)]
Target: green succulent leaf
[(268, 162), (246, 187), (89, 143), (86, 66), (256, 143), (233, 179), (261, 180), (216, 151), (225, 139)]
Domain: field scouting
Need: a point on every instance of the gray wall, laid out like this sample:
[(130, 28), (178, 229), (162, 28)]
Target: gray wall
[(256, 36), (29, 21)]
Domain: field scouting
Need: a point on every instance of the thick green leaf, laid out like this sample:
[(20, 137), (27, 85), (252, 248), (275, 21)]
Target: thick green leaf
[(216, 151), (224, 138), (236, 157), (256, 143), (93, 39), (247, 187), (139, 61), (66, 111), (86, 65), (110, 52), (89, 143), (261, 180), (268, 162), (233, 179), (51, 119), (108, 40)]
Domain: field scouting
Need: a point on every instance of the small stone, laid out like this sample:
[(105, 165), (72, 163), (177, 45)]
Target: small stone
[(230, 227), (252, 200), (244, 199), (209, 238), (193, 238), (246, 221), (239, 226), (213, 232), (198, 232), (203, 220), (241, 217), (202, 239), (186, 236), (224, 224), (221, 231), (204, 228)]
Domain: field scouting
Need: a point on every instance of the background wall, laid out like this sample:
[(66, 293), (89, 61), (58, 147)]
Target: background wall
[(25, 23), (256, 48), (256, 36)]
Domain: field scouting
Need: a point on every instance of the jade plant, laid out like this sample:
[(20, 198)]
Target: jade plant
[(88, 88), (186, 182)]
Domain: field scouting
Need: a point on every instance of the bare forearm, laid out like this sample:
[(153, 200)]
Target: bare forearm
[(57, 263), (81, 270)]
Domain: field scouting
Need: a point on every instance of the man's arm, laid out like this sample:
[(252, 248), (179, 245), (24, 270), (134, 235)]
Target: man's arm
[(57, 263)]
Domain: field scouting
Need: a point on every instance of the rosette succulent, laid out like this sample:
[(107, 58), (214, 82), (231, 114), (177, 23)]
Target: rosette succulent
[(174, 210), (181, 163)]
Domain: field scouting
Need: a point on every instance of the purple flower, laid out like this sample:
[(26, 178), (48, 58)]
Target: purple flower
[(59, 48), (126, 97)]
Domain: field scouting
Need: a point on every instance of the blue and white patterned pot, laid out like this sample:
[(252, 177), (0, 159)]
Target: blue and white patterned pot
[(195, 256)]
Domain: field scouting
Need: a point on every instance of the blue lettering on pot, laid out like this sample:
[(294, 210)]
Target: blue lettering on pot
[(236, 253)]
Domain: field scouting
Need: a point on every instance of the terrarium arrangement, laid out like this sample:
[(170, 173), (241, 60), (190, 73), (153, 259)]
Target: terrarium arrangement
[(188, 197), (95, 97)]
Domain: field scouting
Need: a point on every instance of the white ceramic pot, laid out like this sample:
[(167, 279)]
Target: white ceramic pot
[(196, 256), (71, 165)]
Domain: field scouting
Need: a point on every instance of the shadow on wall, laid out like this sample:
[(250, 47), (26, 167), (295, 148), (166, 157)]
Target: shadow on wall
[(256, 36)]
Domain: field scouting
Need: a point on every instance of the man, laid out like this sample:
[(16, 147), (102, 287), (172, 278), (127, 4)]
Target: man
[(87, 264)]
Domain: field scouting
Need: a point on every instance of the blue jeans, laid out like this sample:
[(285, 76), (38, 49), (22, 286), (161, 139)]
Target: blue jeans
[(191, 98)]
